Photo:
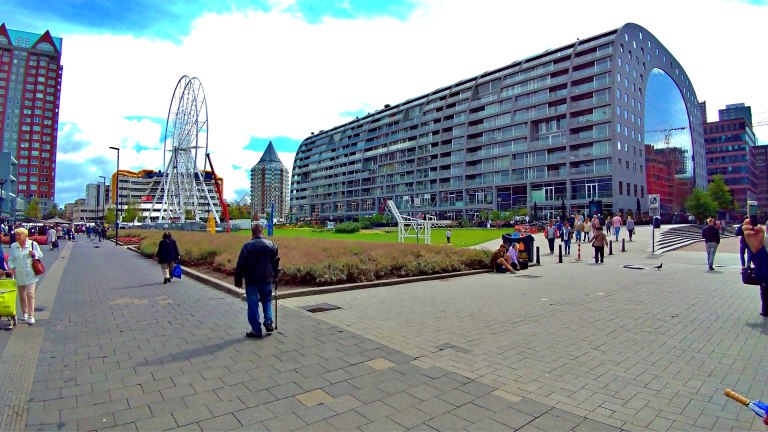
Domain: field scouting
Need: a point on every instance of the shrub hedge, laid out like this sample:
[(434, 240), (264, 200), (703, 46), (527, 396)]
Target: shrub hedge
[(317, 262)]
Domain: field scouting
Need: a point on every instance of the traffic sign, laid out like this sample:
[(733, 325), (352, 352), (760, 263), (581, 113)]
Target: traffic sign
[(654, 201)]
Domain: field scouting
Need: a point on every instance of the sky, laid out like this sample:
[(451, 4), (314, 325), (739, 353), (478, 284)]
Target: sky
[(278, 70)]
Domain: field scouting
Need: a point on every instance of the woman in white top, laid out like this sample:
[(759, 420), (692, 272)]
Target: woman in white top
[(20, 264)]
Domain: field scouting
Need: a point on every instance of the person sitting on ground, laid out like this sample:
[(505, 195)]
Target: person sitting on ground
[(512, 256), (499, 263)]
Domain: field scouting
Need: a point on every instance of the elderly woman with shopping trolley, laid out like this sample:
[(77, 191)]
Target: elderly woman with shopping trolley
[(23, 252)]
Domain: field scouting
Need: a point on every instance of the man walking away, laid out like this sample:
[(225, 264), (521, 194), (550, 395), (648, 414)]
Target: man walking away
[(617, 225), (258, 264), (599, 241), (630, 227), (711, 236), (743, 248), (448, 235)]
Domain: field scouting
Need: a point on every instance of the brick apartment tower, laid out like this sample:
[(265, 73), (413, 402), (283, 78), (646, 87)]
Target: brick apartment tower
[(30, 89), (269, 184)]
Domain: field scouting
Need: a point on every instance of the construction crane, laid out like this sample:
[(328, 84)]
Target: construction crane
[(219, 193)]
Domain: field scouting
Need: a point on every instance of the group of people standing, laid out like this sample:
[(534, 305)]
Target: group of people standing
[(582, 228)]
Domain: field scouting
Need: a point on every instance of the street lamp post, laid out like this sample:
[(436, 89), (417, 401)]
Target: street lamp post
[(101, 198), (117, 195)]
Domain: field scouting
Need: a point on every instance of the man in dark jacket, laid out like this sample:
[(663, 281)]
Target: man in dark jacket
[(711, 236), (755, 239), (167, 254), (259, 265)]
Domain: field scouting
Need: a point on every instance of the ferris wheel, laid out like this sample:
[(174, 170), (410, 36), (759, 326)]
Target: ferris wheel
[(183, 194)]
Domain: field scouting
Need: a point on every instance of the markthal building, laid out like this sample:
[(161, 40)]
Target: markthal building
[(594, 126)]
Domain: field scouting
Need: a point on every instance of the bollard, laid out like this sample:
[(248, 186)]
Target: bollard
[(578, 253), (622, 246), (538, 256), (559, 254), (610, 247)]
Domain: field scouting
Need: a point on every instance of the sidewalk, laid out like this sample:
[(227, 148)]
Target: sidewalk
[(119, 350)]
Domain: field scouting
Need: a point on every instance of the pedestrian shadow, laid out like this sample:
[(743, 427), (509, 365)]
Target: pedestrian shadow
[(760, 325), (195, 352)]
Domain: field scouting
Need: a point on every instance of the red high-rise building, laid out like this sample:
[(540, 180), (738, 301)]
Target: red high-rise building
[(30, 88)]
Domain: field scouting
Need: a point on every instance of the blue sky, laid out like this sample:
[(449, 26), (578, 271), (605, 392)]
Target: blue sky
[(281, 69)]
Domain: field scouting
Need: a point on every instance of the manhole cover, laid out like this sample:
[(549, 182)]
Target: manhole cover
[(528, 276), (322, 307)]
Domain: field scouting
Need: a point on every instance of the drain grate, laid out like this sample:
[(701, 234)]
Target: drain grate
[(529, 276), (322, 307)]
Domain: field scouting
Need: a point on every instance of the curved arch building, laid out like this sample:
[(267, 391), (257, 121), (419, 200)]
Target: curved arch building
[(561, 128)]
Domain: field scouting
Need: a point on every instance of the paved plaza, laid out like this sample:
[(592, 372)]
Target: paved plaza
[(571, 346)]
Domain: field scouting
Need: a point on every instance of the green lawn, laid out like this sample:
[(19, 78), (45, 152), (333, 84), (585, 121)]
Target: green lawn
[(460, 237)]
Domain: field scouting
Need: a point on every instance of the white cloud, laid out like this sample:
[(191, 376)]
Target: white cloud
[(272, 74)]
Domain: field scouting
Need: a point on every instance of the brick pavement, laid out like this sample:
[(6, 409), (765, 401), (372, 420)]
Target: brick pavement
[(121, 351), (638, 349)]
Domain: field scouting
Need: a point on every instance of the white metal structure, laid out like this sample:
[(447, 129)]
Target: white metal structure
[(186, 133), (410, 227)]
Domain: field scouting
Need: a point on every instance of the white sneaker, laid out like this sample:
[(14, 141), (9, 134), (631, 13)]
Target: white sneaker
[(31, 320), (23, 317)]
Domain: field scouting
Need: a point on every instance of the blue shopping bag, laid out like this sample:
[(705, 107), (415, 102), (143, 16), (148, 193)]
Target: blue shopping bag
[(176, 272)]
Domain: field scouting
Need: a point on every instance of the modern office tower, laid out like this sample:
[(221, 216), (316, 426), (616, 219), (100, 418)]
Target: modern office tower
[(563, 128), (761, 165), (730, 148), (703, 111), (270, 184), (736, 111), (30, 86)]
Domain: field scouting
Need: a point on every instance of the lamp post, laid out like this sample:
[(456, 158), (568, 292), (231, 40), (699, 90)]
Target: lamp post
[(117, 195), (102, 197)]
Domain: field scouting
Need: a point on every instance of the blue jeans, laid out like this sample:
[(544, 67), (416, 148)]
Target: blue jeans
[(711, 248), (616, 231), (567, 244), (255, 294), (578, 236)]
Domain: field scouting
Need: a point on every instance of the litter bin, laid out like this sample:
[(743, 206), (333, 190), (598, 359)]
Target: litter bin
[(525, 252), (656, 222)]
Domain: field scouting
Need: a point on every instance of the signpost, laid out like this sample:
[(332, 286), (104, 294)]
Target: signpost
[(654, 210)]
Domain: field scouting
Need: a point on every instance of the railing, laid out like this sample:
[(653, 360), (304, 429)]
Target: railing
[(591, 85), (588, 102)]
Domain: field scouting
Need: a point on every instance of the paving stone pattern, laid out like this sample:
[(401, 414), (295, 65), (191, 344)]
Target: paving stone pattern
[(633, 349), (122, 351)]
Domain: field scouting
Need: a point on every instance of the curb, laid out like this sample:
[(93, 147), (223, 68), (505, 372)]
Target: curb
[(303, 292)]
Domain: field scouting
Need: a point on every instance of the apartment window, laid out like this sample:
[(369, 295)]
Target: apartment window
[(642, 189), (619, 161), (629, 188), (618, 144), (621, 187), (635, 190)]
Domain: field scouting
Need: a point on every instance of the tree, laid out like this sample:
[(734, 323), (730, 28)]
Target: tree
[(495, 215), (132, 212), (189, 215), (720, 193), (109, 216), (700, 204), (33, 209)]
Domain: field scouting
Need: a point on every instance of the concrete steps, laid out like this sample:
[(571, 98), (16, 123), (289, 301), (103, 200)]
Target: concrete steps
[(676, 237)]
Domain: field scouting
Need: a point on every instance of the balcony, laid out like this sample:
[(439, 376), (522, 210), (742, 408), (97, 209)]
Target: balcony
[(588, 102), (590, 71), (591, 85)]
